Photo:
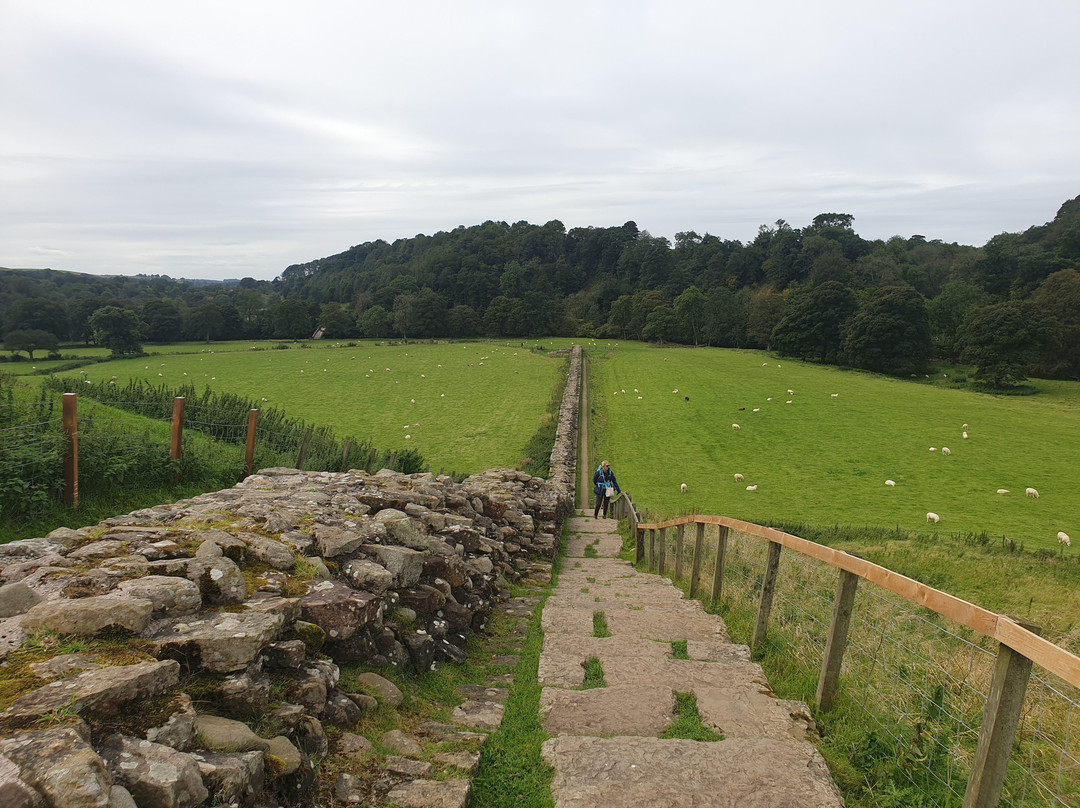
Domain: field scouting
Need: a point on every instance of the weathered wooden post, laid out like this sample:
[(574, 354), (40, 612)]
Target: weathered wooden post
[(176, 441), (837, 640), (678, 552), (696, 569), (345, 455), (718, 570), (71, 456), (639, 545), (1001, 715), (768, 589), (304, 443), (663, 551), (249, 450), (652, 548)]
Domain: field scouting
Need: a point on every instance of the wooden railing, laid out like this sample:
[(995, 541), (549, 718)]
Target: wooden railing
[(1019, 643)]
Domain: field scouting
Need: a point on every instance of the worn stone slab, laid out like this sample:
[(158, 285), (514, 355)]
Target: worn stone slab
[(669, 626), (586, 524), (478, 714), (741, 709), (684, 675), (603, 545), (221, 643), (737, 773), (452, 793), (644, 710), (563, 657)]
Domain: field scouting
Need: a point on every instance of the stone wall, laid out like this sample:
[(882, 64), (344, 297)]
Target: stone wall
[(196, 617)]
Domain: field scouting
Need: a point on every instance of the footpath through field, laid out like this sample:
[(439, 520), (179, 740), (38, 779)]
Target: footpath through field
[(605, 746)]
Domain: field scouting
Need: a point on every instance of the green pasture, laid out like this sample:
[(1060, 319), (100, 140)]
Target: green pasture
[(466, 407), (820, 460)]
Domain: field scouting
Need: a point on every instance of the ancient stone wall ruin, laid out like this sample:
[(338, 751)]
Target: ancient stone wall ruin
[(199, 616)]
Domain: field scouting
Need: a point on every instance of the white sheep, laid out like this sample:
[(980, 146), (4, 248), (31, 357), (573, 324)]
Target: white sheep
[(751, 488), (965, 436), (735, 427), (932, 517), (1063, 538), (945, 450), (890, 483), (757, 409), (835, 395), (965, 426), (933, 448), (791, 392), (1031, 492), (683, 488), (738, 478), (1003, 490)]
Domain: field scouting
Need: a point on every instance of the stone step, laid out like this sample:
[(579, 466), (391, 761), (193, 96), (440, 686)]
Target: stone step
[(734, 773)]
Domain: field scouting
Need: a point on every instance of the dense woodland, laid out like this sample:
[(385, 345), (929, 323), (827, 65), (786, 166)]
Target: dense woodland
[(821, 293)]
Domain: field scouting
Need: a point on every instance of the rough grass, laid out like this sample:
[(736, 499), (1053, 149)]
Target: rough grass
[(477, 405), (824, 461), (687, 724)]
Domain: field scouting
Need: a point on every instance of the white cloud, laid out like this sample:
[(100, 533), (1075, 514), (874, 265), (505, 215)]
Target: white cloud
[(230, 139)]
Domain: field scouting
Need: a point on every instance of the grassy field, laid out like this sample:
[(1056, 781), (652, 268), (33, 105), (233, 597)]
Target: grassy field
[(820, 460), (466, 407)]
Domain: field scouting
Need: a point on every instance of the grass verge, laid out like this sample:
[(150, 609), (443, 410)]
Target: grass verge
[(687, 724)]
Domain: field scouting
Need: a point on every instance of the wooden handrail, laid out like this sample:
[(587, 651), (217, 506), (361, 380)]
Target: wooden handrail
[(998, 627)]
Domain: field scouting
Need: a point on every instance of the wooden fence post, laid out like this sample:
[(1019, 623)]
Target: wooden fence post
[(837, 640), (249, 450), (718, 570), (639, 545), (663, 551), (696, 569), (678, 552), (71, 456), (768, 588), (652, 548), (345, 454), (1001, 715), (304, 447), (176, 441)]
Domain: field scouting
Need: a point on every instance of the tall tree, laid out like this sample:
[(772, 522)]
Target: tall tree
[(1006, 340), (890, 333), (30, 340), (118, 329)]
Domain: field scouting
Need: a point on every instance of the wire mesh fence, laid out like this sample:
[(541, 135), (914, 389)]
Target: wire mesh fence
[(913, 684)]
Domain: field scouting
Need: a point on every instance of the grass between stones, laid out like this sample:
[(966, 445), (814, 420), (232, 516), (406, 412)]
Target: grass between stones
[(687, 724), (678, 650), (599, 625), (594, 674)]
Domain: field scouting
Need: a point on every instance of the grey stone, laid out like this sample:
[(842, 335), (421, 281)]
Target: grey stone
[(385, 689), (405, 565), (368, 575), (404, 530), (97, 692), (220, 643), (407, 767), (156, 775), (14, 793), (353, 746), (334, 541), (338, 609), (270, 552), (433, 794), (120, 797), (179, 731), (468, 762), (400, 742), (226, 735), (219, 580), (17, 598), (64, 665), (169, 594), (89, 616), (232, 778), (282, 748), (60, 765)]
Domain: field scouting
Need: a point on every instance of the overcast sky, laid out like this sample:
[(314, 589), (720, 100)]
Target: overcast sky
[(233, 138)]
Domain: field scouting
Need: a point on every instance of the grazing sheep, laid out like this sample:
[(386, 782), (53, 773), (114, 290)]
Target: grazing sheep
[(751, 488), (933, 448), (1031, 492), (735, 427), (738, 478), (835, 395), (933, 517), (945, 450), (965, 436), (965, 426), (890, 483), (683, 488), (1063, 538), (791, 392), (757, 409), (1003, 490)]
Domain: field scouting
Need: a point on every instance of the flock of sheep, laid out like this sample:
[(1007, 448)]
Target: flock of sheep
[(1063, 538)]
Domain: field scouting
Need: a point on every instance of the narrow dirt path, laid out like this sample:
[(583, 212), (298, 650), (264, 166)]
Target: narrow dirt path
[(606, 750)]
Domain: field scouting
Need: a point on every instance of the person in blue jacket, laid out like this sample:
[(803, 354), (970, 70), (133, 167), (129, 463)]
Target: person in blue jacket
[(604, 479)]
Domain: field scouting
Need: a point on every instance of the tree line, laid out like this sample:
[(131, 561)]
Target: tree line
[(820, 292)]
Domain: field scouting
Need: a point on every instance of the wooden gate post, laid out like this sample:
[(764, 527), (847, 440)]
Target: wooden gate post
[(663, 551), (639, 544), (678, 552), (652, 548), (176, 441), (1001, 716), (696, 570), (71, 456), (718, 570), (304, 443), (249, 450), (768, 589), (837, 640)]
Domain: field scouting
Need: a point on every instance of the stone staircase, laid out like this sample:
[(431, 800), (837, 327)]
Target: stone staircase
[(606, 750)]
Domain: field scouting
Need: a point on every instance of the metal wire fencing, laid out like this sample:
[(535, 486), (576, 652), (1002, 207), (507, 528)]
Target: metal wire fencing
[(913, 684)]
